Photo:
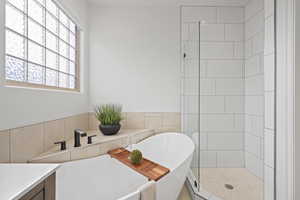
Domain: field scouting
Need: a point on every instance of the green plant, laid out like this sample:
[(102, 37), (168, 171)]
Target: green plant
[(109, 114), (136, 157)]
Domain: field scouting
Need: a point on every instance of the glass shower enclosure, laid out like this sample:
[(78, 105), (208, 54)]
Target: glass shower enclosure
[(223, 99)]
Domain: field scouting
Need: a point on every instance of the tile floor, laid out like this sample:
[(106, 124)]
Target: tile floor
[(246, 185)]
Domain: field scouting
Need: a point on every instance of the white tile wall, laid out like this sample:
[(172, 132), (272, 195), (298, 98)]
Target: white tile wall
[(254, 25), (217, 50), (212, 32), (207, 87), (239, 122), (248, 123), (203, 140), (195, 14), (252, 66), (191, 49), (230, 15), (230, 86), (208, 159), (221, 83), (225, 68), (212, 104), (217, 122), (253, 7), (234, 32), (234, 104), (254, 164), (193, 31), (239, 50), (190, 123), (191, 104), (185, 31), (254, 105), (248, 48), (191, 68), (225, 141), (254, 86), (257, 126), (230, 159), (258, 43), (253, 144), (191, 86)]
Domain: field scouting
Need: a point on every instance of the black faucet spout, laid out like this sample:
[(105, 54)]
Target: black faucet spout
[(77, 134)]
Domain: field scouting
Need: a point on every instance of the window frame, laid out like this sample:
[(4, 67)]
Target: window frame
[(25, 36)]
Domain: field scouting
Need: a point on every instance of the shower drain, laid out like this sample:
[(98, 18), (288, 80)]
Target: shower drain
[(229, 187)]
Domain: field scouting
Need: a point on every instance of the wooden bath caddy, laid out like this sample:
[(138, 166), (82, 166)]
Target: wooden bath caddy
[(151, 170)]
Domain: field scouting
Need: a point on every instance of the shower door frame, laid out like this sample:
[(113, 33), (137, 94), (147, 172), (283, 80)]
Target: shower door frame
[(286, 121)]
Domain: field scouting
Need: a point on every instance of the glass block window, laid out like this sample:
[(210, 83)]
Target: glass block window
[(41, 45)]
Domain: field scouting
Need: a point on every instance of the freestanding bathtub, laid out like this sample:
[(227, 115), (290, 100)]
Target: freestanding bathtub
[(104, 178)]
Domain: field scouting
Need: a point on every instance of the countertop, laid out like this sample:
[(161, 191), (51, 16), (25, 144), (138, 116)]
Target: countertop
[(18, 179)]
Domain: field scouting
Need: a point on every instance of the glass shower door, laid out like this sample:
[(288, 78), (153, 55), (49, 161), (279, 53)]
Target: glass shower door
[(227, 107), (192, 70)]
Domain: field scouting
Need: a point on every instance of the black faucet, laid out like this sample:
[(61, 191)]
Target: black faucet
[(77, 134)]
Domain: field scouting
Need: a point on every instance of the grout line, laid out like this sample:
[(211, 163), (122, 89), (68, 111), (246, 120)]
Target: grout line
[(44, 138)]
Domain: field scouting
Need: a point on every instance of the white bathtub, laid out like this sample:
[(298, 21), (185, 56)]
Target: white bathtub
[(104, 178)]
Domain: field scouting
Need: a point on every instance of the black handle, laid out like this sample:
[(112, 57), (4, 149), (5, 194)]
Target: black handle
[(62, 145), (90, 139)]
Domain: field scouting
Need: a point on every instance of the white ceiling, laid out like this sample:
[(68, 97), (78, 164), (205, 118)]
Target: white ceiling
[(169, 2)]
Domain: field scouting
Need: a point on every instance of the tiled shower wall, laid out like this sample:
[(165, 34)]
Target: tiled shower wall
[(21, 144), (254, 86), (221, 83)]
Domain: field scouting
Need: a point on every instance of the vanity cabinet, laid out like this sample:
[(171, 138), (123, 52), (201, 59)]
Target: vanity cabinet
[(43, 191)]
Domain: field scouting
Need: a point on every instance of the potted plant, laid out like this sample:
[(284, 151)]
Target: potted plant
[(109, 116)]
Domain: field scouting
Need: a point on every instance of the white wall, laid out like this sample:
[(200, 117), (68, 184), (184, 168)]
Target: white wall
[(19, 107), (134, 57)]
